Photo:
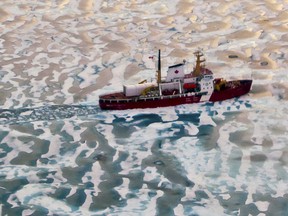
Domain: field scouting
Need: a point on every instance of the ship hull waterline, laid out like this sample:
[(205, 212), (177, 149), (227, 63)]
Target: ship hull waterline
[(174, 100)]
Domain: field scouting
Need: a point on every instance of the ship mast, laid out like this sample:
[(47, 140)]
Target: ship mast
[(159, 67), (197, 70)]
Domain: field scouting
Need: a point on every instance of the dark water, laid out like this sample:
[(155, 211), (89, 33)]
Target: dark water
[(80, 160)]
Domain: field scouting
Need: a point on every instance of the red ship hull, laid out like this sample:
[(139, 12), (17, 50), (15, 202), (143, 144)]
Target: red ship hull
[(117, 101)]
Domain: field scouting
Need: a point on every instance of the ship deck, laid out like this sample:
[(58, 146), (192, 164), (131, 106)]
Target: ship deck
[(115, 95), (120, 96), (118, 101)]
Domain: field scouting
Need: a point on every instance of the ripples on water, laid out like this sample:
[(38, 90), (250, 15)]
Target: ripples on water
[(61, 155)]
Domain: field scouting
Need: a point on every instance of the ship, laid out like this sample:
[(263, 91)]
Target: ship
[(176, 88)]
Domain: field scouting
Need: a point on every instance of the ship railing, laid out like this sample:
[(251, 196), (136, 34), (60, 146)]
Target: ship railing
[(127, 100), (116, 100)]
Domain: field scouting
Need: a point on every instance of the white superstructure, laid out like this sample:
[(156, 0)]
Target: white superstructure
[(175, 72), (199, 81), (136, 89)]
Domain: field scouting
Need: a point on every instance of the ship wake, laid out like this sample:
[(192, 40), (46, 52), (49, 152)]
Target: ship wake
[(43, 113)]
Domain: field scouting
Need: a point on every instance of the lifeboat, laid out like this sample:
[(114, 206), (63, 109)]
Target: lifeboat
[(189, 85)]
